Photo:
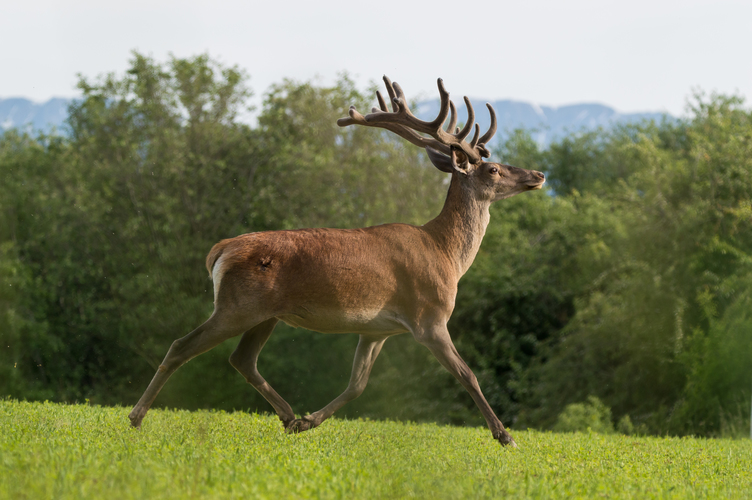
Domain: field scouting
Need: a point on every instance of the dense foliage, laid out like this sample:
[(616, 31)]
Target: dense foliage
[(630, 280)]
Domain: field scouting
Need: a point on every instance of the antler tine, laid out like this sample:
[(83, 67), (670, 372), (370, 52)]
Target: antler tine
[(453, 118), (491, 128), (382, 103), (432, 127), (474, 142), (390, 91), (400, 100), (445, 107), (355, 115), (470, 121)]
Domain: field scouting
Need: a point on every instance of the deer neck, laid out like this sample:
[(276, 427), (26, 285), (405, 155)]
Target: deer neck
[(459, 229)]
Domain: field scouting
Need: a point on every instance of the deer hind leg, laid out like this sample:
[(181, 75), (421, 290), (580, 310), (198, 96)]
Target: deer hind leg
[(214, 331), (438, 341), (245, 359), (365, 355)]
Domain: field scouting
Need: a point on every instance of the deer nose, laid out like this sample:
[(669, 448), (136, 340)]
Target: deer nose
[(539, 175)]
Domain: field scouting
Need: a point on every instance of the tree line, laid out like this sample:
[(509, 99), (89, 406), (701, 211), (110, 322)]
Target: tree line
[(629, 280)]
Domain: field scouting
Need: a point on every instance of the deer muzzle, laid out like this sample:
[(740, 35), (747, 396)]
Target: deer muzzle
[(537, 179)]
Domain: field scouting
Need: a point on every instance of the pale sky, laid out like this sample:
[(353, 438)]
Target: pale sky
[(635, 56)]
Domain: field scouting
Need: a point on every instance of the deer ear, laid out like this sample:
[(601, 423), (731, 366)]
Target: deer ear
[(460, 160), (440, 160)]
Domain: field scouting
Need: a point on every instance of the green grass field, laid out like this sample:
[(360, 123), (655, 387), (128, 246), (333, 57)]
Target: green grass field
[(77, 451)]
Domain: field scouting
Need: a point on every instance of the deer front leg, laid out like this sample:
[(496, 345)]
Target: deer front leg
[(438, 341), (245, 358), (365, 355)]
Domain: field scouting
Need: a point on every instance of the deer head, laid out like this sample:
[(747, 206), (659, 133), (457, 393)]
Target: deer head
[(447, 148)]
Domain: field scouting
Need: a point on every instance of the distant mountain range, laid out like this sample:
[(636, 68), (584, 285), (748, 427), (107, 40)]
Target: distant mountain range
[(30, 116), (546, 123)]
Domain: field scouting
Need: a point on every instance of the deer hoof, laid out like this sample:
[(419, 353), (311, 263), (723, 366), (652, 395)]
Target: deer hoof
[(299, 425), (135, 419), (505, 439)]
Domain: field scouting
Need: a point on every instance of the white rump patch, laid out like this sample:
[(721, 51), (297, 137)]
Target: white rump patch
[(217, 273)]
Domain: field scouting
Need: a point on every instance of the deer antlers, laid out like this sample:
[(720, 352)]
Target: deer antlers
[(402, 122)]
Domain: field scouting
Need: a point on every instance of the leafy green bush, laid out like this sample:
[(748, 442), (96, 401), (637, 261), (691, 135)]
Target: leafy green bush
[(591, 415)]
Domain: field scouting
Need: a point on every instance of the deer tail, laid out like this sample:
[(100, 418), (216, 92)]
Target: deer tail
[(214, 255)]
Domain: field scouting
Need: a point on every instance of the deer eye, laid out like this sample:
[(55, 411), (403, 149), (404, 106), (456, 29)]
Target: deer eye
[(493, 170)]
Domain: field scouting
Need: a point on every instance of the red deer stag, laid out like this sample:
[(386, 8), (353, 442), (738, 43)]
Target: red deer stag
[(377, 281)]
